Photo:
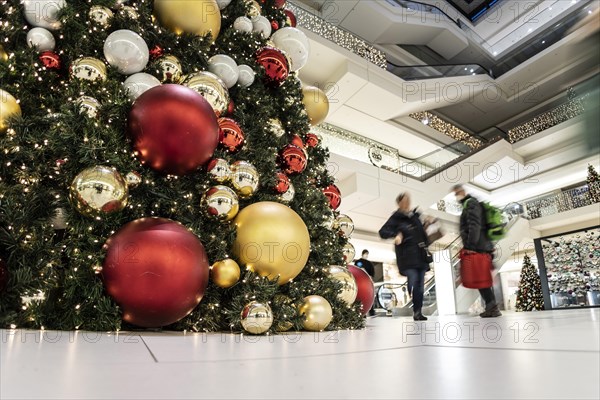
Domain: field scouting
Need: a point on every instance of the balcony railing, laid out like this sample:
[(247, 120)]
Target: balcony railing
[(560, 202)]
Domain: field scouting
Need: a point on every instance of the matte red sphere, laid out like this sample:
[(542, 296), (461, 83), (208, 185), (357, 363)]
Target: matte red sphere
[(156, 52), (312, 140), (50, 59), (279, 3), (174, 129), (231, 136), (275, 63), (333, 195), (274, 25), (293, 159), (283, 183), (290, 18), (366, 288), (3, 275), (156, 270), (297, 141)]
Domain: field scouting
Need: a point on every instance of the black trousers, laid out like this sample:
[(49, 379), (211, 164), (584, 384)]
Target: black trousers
[(489, 297), (416, 285)]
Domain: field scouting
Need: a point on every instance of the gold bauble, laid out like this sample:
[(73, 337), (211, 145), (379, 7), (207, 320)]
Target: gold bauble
[(316, 104), (212, 88), (245, 178), (198, 17), (275, 127), (348, 252), (254, 9), (317, 313), (101, 15), (345, 277), (3, 54), (98, 190), (280, 301), (9, 108), (344, 225), (225, 273), (272, 240), (170, 68), (221, 202), (256, 317), (89, 68), (88, 105)]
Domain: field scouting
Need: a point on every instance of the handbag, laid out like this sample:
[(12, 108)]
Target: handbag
[(427, 256), (476, 270), (433, 231)]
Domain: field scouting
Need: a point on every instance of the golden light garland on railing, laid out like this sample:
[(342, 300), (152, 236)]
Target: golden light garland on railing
[(446, 128)]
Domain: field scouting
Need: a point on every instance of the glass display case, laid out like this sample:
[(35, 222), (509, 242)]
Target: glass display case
[(570, 268)]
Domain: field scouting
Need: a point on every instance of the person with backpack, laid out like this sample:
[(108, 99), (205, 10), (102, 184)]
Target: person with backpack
[(412, 255), (478, 221)]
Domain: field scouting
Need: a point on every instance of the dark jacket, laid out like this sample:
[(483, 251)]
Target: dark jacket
[(472, 226), (366, 265), (411, 253)]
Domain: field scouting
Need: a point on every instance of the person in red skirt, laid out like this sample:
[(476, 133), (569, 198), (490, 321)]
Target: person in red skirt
[(473, 233)]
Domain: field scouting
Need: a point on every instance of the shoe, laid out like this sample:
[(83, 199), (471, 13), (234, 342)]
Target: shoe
[(419, 317), (491, 313)]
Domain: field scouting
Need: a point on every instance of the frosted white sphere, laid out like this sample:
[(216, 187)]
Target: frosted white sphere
[(247, 75), (243, 24), (126, 51), (41, 38), (43, 13), (138, 83), (225, 68)]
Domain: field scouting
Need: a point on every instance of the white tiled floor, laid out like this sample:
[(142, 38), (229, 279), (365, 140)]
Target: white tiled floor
[(549, 355)]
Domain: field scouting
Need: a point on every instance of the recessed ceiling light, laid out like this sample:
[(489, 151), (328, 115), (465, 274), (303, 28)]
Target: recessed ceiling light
[(425, 121), (543, 41), (550, 8), (472, 70), (529, 30), (495, 52), (465, 68), (589, 12)]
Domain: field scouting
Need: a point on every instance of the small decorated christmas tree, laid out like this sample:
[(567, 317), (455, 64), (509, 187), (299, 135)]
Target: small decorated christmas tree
[(593, 181), (529, 294)]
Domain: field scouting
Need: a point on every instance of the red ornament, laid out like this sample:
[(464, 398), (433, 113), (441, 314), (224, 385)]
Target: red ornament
[(274, 25), (156, 270), (275, 63), (293, 159), (283, 183), (230, 107), (279, 3), (231, 135), (333, 196), (297, 141), (50, 59), (290, 18), (156, 52), (174, 129), (366, 288), (312, 140), (3, 275)]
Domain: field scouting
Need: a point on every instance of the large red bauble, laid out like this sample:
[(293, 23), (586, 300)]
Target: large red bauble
[(290, 18), (277, 67), (174, 129), (293, 159), (231, 135), (333, 196), (3, 275), (283, 183), (156, 270), (366, 288)]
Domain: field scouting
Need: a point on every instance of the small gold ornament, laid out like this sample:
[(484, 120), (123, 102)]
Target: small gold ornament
[(101, 15), (256, 317), (98, 190), (344, 225), (316, 104), (9, 108), (89, 68), (275, 127), (88, 105), (345, 277), (198, 17), (219, 170), (244, 178), (349, 253), (317, 313), (254, 9), (221, 202), (3, 54), (171, 69), (225, 273), (133, 179), (212, 88), (130, 12)]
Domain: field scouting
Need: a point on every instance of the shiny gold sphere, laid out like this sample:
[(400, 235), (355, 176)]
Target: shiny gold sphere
[(344, 225), (3, 54), (88, 68), (98, 190), (317, 313), (316, 104), (254, 9), (345, 277), (212, 88), (198, 17), (221, 202), (245, 178), (272, 240), (348, 253), (225, 273), (256, 317), (9, 108), (171, 69)]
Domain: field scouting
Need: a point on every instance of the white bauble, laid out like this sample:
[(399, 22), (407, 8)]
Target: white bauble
[(247, 75), (243, 24), (261, 25), (138, 83), (223, 3), (295, 44), (126, 51), (41, 38), (43, 13), (225, 68)]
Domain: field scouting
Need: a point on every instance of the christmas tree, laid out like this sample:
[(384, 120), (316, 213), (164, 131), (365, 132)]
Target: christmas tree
[(529, 294), (593, 181), (158, 170)]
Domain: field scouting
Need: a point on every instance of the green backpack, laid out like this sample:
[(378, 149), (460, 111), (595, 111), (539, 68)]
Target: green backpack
[(494, 223)]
